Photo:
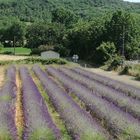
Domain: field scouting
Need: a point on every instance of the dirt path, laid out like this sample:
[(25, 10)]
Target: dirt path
[(11, 57), (19, 117), (123, 78)]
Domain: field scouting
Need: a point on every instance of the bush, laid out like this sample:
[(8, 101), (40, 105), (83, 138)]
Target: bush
[(63, 51), (138, 78), (8, 53), (116, 62), (35, 51), (35, 61), (105, 52), (131, 69), (43, 61), (1, 46), (132, 50), (126, 69), (42, 48)]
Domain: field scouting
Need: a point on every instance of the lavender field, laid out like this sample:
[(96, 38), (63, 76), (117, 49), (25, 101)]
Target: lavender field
[(66, 103)]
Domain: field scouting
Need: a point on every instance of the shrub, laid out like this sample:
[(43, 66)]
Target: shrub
[(43, 61), (63, 51), (1, 46), (8, 52), (131, 69), (42, 48), (105, 52), (116, 62), (45, 47), (36, 60), (35, 51), (126, 69)]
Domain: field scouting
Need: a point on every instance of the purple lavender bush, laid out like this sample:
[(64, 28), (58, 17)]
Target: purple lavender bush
[(78, 122), (122, 125), (124, 102), (117, 85), (38, 122), (8, 129)]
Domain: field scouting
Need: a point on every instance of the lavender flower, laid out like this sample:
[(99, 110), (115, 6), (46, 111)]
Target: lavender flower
[(122, 125), (39, 124), (124, 102), (78, 122), (117, 85), (7, 109)]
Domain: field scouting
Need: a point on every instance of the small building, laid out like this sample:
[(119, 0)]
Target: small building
[(50, 54)]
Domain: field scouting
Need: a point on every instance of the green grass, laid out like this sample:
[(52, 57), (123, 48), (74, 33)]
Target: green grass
[(42, 134), (18, 50), (4, 1), (4, 134)]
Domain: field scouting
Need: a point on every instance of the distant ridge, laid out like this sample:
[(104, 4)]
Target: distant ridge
[(38, 10)]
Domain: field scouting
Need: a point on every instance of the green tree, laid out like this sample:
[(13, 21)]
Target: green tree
[(121, 29), (63, 16), (77, 40), (84, 38), (41, 34), (132, 50), (15, 33)]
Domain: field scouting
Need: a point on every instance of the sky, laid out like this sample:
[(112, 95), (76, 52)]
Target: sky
[(133, 0)]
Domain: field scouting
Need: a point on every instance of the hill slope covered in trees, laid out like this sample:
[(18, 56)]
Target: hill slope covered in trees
[(34, 10), (98, 31)]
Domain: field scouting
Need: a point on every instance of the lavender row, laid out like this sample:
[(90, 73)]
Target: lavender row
[(121, 100), (8, 129), (122, 125), (122, 87), (78, 122), (38, 122)]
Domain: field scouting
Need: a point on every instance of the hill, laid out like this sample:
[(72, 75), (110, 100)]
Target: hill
[(38, 10)]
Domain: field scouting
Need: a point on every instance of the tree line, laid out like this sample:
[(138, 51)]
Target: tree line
[(98, 40)]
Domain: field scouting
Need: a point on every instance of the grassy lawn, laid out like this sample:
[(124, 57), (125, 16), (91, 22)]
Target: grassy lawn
[(19, 50)]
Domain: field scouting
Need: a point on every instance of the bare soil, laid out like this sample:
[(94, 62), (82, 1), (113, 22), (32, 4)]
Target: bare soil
[(114, 75), (11, 57), (19, 117)]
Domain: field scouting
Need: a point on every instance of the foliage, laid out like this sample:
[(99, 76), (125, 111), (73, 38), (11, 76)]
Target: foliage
[(41, 34), (63, 51), (121, 30), (106, 51), (132, 50), (41, 10), (72, 27), (44, 61), (1, 46), (42, 48), (116, 62), (13, 34), (34, 60), (46, 47), (63, 16), (131, 69), (84, 38)]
